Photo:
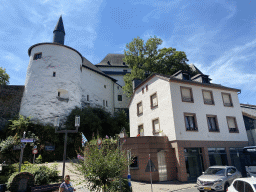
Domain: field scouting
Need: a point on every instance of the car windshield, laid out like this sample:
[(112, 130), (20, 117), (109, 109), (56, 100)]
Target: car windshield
[(215, 171)]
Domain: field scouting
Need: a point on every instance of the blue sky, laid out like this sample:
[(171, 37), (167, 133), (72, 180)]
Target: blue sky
[(218, 36)]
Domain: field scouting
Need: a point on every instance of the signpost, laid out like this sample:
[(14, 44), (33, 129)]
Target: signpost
[(49, 148), (34, 151)]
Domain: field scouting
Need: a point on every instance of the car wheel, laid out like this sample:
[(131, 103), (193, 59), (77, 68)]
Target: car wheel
[(226, 187)]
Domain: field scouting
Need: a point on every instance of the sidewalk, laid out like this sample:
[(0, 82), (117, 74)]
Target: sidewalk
[(167, 186)]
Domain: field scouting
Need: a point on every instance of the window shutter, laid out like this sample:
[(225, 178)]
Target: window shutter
[(231, 122), (156, 125), (186, 94), (154, 100), (226, 98), (207, 95)]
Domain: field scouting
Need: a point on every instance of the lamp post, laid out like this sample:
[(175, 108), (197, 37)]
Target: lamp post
[(56, 125), (121, 135)]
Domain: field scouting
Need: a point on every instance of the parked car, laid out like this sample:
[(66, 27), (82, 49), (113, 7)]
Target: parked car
[(243, 185), (217, 178)]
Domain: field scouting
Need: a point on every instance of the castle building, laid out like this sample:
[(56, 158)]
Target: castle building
[(59, 78)]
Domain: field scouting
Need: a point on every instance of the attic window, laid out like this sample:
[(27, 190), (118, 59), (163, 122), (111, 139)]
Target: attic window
[(37, 56), (205, 80), (185, 76)]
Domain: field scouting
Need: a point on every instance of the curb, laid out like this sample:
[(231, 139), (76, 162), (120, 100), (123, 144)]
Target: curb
[(181, 189)]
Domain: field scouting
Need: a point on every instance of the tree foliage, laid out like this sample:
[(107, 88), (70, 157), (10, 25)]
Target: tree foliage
[(95, 120), (4, 77), (102, 166), (147, 58)]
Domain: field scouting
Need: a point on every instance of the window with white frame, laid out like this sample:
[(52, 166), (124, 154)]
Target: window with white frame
[(153, 100), (186, 94)]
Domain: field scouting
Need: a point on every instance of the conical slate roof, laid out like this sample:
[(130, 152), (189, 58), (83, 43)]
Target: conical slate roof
[(59, 26), (113, 59)]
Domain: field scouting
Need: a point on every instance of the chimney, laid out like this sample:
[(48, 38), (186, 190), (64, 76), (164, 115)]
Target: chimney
[(135, 83)]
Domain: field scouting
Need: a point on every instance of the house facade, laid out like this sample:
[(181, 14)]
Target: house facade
[(202, 122)]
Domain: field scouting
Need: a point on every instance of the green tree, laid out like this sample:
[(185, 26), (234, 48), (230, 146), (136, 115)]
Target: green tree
[(95, 120), (4, 77), (147, 58), (101, 167)]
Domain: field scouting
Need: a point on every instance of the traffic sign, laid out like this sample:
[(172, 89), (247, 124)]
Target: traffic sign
[(27, 140), (35, 147), (34, 151)]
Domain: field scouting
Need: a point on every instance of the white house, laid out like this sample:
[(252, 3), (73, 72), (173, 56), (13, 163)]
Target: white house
[(59, 78), (203, 121)]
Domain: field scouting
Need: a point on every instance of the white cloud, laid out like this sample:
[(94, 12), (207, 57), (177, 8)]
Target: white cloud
[(16, 62)]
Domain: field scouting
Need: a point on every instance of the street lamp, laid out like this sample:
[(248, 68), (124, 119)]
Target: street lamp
[(57, 125), (121, 135)]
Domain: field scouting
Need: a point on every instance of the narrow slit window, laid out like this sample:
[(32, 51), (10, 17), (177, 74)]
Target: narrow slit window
[(88, 98), (58, 94), (54, 74)]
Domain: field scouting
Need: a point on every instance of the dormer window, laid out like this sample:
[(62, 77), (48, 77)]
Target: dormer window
[(186, 76), (205, 80)]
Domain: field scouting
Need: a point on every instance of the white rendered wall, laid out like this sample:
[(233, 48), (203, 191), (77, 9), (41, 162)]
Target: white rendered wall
[(200, 109), (125, 100), (41, 88), (164, 110), (93, 85)]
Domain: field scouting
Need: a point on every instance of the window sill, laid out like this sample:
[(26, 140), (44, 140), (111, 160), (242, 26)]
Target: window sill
[(62, 99), (188, 101), (214, 131), (192, 130), (139, 114), (134, 168), (209, 103), (153, 107), (228, 105)]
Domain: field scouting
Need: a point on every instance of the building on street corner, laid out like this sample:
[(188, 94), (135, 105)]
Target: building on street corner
[(186, 124)]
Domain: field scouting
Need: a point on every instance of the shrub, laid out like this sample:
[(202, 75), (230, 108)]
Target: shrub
[(114, 186), (11, 179), (3, 179), (39, 159)]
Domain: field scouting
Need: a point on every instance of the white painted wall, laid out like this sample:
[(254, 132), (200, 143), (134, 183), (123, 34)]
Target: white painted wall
[(93, 85), (200, 109), (164, 110), (41, 88), (171, 110)]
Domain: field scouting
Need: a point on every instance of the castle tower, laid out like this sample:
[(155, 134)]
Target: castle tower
[(53, 80), (59, 32)]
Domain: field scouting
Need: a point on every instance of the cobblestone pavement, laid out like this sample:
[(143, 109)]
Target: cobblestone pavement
[(168, 186)]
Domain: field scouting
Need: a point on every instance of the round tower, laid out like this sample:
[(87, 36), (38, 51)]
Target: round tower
[(53, 80)]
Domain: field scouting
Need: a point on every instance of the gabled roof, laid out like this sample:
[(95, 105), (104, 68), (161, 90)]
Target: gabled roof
[(174, 79), (195, 69), (112, 60), (248, 106), (59, 26), (87, 64)]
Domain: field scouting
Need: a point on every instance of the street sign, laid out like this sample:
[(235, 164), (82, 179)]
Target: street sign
[(17, 147), (49, 148), (99, 141), (35, 147), (34, 151), (150, 164), (29, 140)]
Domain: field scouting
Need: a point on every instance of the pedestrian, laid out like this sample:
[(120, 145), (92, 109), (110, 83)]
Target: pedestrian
[(66, 186)]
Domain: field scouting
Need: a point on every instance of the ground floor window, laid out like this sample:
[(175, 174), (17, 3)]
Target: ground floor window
[(194, 162), (217, 156)]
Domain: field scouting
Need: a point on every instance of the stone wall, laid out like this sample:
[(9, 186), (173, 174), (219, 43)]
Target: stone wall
[(10, 100)]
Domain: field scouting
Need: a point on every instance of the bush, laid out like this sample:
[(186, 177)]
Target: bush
[(43, 174), (39, 159), (3, 179), (115, 185)]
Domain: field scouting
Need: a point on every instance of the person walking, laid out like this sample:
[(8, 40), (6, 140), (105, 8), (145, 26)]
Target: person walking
[(66, 186)]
